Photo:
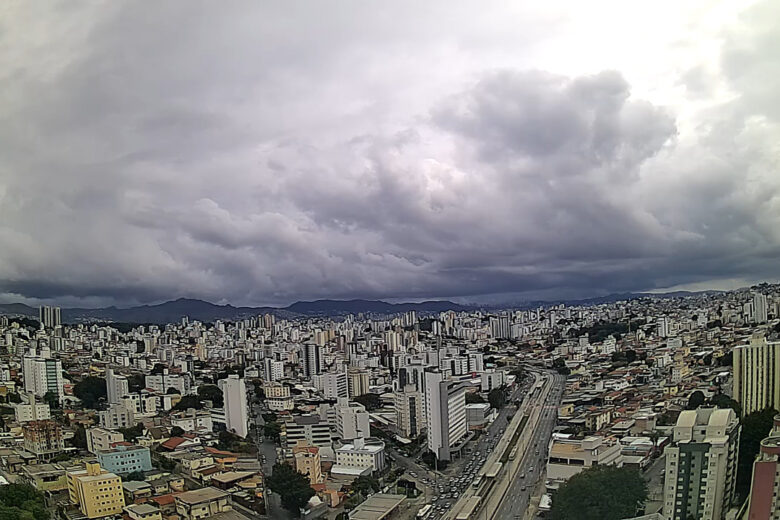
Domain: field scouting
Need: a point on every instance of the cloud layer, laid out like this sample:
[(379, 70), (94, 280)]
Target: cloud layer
[(262, 153)]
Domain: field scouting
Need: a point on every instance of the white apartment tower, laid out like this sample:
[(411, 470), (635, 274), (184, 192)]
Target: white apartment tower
[(116, 386), (351, 420), (43, 375), (445, 413), (701, 465), (760, 308), (236, 415), (757, 374)]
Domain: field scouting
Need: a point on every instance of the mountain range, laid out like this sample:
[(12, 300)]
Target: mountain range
[(200, 310), (173, 311)]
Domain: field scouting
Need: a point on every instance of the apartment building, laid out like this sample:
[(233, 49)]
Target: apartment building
[(97, 492), (701, 465)]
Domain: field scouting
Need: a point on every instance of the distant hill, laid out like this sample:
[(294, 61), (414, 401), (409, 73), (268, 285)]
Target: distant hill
[(200, 310), (338, 307)]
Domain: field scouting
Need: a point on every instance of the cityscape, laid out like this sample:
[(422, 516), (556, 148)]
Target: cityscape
[(653, 408), (389, 260)]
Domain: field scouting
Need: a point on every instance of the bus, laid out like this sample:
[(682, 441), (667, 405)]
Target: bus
[(477, 481), (424, 512)]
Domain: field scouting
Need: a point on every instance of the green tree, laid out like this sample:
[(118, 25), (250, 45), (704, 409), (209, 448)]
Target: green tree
[(172, 391), (132, 433), (365, 485), (22, 502), (186, 402), (497, 397), (211, 393), (559, 364), (695, 400), (724, 401), (14, 398), (90, 390), (272, 430), (79, 439), (135, 475), (370, 401), (292, 486), (474, 398), (51, 399), (755, 427), (600, 493)]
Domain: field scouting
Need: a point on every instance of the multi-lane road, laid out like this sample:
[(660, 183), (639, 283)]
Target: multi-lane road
[(532, 466)]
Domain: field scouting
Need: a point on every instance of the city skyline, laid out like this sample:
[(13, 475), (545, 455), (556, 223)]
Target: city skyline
[(259, 154)]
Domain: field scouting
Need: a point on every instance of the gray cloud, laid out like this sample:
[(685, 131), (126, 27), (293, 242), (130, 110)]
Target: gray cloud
[(252, 153)]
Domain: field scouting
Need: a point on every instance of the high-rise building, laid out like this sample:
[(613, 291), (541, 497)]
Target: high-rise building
[(43, 375), (409, 411), (116, 386), (351, 420), (274, 370), (701, 465), (312, 360), (236, 415), (49, 317), (357, 382), (662, 327), (445, 413), (97, 492), (760, 308), (32, 410), (757, 374), (763, 501), (332, 385)]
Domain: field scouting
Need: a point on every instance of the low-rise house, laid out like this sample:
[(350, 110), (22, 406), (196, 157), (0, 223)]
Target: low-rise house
[(202, 503)]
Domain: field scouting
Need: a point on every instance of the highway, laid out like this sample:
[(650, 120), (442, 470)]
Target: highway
[(532, 467)]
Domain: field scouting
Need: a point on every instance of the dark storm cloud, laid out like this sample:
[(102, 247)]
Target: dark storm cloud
[(262, 153)]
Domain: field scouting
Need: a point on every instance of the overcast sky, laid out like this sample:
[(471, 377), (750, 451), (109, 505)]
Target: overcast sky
[(264, 152)]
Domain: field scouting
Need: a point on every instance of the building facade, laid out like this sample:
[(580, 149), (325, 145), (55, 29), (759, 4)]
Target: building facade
[(701, 465), (97, 492), (757, 374)]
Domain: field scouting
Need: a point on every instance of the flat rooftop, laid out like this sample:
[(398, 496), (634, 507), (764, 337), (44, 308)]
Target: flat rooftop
[(377, 507)]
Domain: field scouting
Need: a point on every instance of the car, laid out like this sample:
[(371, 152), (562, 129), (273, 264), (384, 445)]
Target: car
[(522, 488), (522, 475)]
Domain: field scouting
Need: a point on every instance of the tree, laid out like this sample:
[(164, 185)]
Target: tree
[(135, 475), (51, 399), (559, 364), (133, 432), (187, 402), (79, 439), (272, 430), (497, 397), (365, 485), (292, 486), (600, 493), (177, 431), (22, 502), (90, 390), (474, 398), (630, 356), (14, 398), (695, 400), (755, 427), (211, 393), (724, 401), (172, 391), (370, 401)]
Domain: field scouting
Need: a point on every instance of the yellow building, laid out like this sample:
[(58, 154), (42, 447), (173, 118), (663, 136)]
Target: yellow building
[(307, 461), (97, 492)]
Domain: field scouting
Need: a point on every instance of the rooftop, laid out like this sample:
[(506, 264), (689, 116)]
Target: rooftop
[(377, 507)]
